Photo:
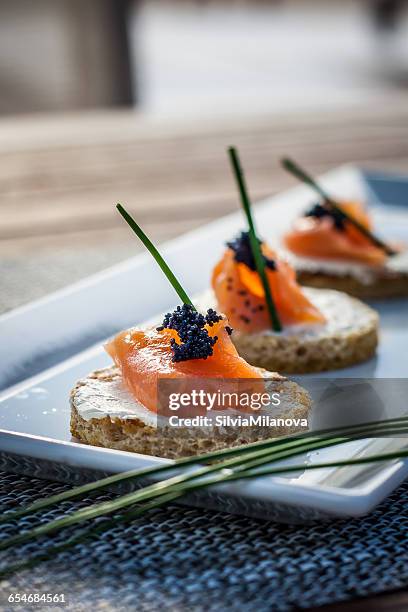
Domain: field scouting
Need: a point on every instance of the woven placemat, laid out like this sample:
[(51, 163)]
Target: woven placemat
[(181, 559)]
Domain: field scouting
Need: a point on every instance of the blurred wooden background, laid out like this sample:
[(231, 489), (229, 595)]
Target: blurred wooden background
[(60, 178)]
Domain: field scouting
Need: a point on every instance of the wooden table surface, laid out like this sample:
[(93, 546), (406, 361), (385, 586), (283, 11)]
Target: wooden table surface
[(61, 176)]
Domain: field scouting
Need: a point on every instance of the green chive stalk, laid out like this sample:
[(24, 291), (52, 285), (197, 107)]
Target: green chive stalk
[(253, 239), (303, 176), (155, 253)]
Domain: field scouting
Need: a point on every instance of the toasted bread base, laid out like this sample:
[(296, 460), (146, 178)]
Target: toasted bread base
[(133, 434), (384, 287), (350, 337), (294, 355)]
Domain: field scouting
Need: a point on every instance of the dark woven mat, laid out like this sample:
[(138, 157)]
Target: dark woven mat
[(183, 559)]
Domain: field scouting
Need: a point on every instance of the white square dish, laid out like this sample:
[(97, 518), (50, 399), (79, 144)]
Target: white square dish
[(34, 414)]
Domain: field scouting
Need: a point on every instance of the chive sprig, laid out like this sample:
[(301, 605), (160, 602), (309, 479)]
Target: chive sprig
[(156, 255), (253, 238), (303, 176)]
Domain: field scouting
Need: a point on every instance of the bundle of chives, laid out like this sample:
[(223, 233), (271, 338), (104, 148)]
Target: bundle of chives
[(246, 462)]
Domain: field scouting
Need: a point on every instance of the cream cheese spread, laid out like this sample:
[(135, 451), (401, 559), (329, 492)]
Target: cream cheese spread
[(96, 398), (367, 275)]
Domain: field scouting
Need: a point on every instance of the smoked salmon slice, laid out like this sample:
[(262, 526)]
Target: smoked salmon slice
[(322, 235), (145, 356), (240, 294)]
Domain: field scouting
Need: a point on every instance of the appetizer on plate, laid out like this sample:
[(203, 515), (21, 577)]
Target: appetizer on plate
[(278, 324), (119, 406), (321, 329), (333, 246)]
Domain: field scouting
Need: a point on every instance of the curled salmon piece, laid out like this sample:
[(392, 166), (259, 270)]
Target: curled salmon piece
[(322, 235), (240, 293), (145, 356)]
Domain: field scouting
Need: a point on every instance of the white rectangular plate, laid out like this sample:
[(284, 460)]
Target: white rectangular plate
[(34, 415)]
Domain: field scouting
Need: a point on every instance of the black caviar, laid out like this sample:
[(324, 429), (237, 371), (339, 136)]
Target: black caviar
[(318, 211), (243, 253), (196, 343)]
